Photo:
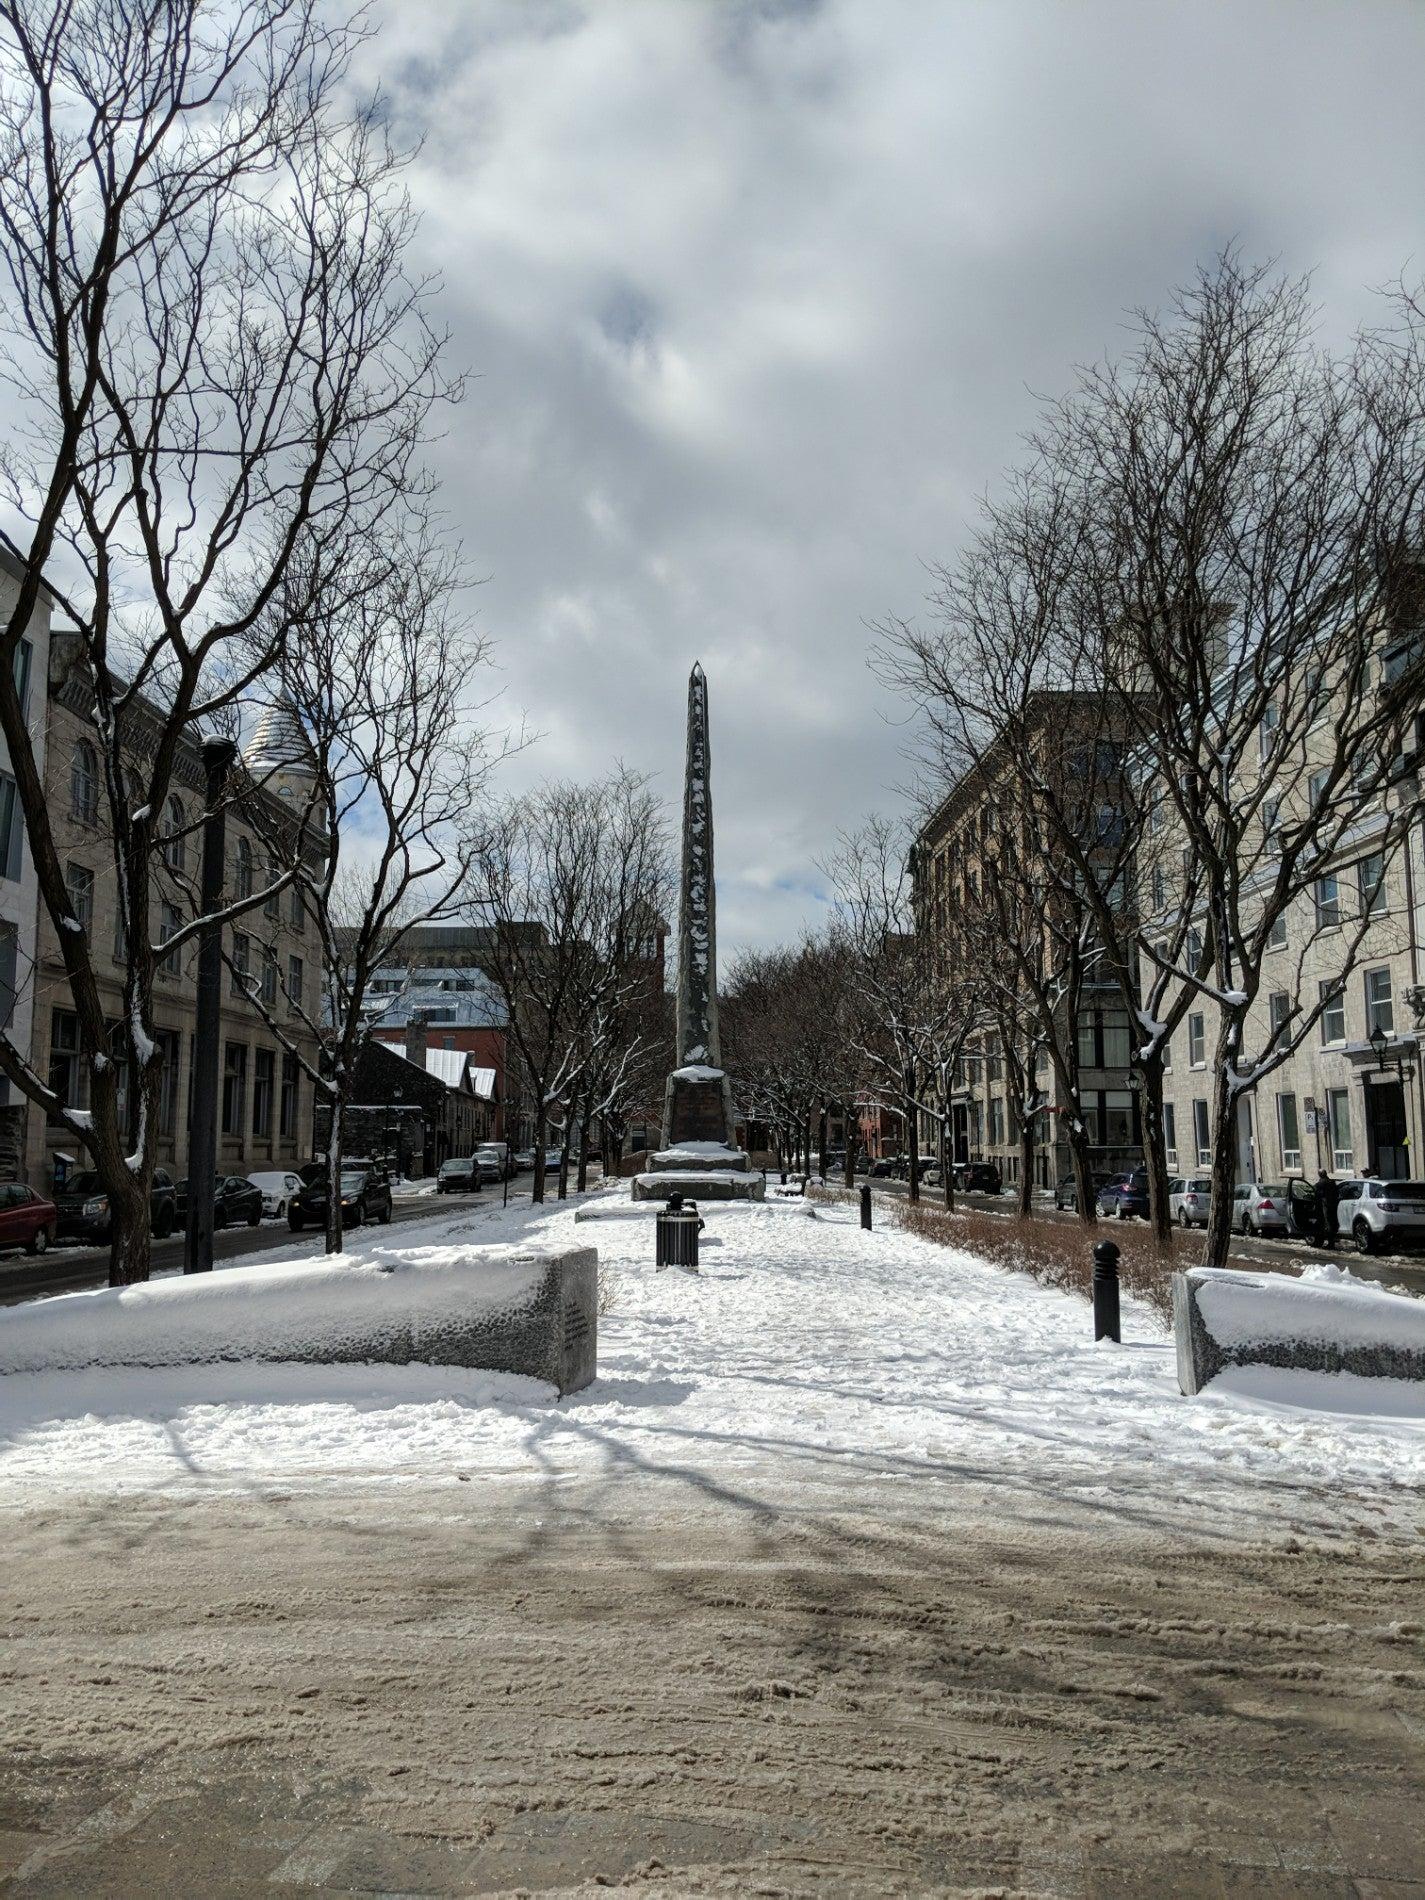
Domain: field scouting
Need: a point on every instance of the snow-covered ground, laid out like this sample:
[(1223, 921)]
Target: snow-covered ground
[(807, 1354)]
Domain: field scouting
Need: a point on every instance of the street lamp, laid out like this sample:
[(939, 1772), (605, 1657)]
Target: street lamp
[(396, 1094)]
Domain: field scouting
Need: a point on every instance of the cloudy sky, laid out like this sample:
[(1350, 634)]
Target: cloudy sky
[(756, 300)]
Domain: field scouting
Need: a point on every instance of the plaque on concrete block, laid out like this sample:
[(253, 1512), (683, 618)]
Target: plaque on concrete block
[(695, 1113)]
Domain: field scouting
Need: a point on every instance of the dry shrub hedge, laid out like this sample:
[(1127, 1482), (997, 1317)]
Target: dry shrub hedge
[(1058, 1253)]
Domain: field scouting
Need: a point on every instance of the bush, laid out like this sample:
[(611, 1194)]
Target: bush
[(1057, 1253)]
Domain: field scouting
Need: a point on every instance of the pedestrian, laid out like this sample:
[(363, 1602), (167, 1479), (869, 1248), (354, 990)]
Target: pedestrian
[(1326, 1199)]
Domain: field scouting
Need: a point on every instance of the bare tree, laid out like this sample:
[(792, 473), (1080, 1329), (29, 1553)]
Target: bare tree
[(217, 354), (378, 735)]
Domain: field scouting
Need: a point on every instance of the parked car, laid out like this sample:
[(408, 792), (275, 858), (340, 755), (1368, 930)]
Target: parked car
[(1066, 1191), (863, 1163), (1376, 1215), (82, 1206), (524, 1160), (277, 1186), (885, 1168), (235, 1199), (1260, 1207), (27, 1219), (1125, 1194), (978, 1177), (494, 1160), (365, 1195), (1189, 1199), (459, 1175)]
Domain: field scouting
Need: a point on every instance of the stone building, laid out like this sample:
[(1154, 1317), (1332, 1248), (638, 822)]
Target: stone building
[(19, 886), (1352, 1096), (955, 852), (415, 1107), (265, 1101)]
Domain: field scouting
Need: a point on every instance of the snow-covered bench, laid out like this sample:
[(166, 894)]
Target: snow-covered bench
[(1224, 1317), (499, 1308)]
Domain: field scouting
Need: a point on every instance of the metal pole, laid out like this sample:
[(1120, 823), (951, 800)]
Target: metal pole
[(218, 756), (866, 1207)]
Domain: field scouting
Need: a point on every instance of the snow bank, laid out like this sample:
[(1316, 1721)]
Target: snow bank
[(1224, 1317), (499, 1308)]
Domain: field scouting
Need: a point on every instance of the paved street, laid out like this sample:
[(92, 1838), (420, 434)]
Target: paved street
[(66, 1269)]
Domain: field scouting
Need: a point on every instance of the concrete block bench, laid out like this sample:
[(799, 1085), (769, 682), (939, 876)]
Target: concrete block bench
[(499, 1308), (1225, 1317)]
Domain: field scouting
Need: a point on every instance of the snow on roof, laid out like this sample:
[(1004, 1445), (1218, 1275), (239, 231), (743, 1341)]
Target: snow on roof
[(457, 1070)]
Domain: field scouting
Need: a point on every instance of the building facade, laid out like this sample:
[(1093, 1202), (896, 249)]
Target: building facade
[(265, 1101), (19, 886)]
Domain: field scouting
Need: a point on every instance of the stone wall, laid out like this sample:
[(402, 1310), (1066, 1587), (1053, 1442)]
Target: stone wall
[(1223, 1318)]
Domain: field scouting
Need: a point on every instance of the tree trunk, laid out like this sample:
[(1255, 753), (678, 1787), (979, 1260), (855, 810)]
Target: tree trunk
[(913, 1133), (1217, 1239), (1155, 1153), (947, 1171), (130, 1234), (821, 1145), (583, 1181), (1081, 1163), (541, 1132), (334, 1141), (564, 1158), (853, 1148)]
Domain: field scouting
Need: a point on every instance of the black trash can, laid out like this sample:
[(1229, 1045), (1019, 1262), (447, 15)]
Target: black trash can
[(677, 1237)]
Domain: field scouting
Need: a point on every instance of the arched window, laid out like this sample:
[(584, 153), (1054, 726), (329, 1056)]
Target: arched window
[(84, 783), (174, 851), (244, 868)]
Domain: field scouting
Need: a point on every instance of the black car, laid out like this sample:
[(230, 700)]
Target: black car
[(459, 1175), (978, 1177), (888, 1166), (1125, 1194), (84, 1206), (365, 1195), (235, 1199)]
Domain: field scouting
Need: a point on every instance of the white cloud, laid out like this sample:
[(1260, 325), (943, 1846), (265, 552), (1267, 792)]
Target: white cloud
[(756, 297)]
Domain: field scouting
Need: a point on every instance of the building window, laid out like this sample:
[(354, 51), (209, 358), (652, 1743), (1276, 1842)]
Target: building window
[(1271, 719), (175, 850), (272, 903), (242, 962), (1338, 1116), (996, 1123), (1159, 889), (1370, 880), (1380, 1005), (296, 915), (1288, 1132), (1202, 1132), (79, 882), (234, 1087), (1170, 1133), (24, 661), (84, 783), (68, 1073), (1333, 1012), (1328, 903), (1197, 1041), (169, 925), (244, 869), (169, 1045), (269, 978), (1279, 1004), (1316, 789), (1117, 1118), (296, 980), (1194, 949), (263, 1066), (287, 1108), (1271, 819), (1276, 936), (12, 827)]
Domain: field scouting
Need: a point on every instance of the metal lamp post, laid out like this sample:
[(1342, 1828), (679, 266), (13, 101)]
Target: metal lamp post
[(218, 757), (396, 1095)]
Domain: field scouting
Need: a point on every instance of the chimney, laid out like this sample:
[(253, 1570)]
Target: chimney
[(417, 1036)]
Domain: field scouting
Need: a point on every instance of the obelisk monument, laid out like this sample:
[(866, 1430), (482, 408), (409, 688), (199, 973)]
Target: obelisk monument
[(698, 1158)]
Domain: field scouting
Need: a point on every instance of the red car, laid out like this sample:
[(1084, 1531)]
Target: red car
[(27, 1219)]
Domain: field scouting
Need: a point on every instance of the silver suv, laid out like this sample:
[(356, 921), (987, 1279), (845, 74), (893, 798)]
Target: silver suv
[(1189, 1200), (1378, 1214)]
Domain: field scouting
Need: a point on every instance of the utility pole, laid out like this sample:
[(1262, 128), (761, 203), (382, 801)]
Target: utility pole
[(218, 757)]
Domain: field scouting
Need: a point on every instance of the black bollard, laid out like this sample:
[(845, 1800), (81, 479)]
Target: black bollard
[(1105, 1291), (866, 1208)]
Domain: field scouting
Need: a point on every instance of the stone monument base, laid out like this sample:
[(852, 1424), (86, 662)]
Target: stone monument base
[(699, 1171)]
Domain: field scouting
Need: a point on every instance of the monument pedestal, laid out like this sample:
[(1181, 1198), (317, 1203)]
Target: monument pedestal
[(700, 1161)]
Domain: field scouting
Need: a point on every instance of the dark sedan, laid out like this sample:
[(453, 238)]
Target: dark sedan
[(1066, 1191), (1125, 1195), (82, 1206), (235, 1199), (365, 1195)]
